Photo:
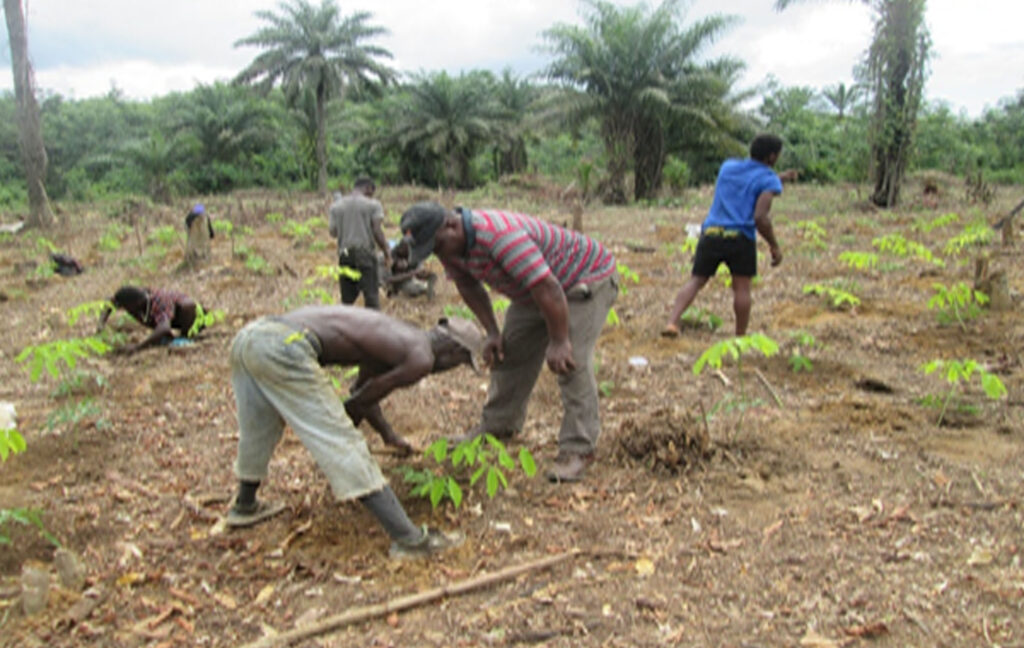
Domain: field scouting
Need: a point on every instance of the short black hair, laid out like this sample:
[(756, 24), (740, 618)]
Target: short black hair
[(765, 145), (364, 182), (129, 295)]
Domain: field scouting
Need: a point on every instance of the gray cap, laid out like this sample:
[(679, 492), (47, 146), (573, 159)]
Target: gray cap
[(467, 334)]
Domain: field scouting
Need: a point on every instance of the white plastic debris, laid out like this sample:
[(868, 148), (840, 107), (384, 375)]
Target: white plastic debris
[(693, 230), (638, 361), (8, 416)]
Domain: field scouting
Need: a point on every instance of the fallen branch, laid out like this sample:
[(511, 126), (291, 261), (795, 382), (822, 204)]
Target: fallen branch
[(768, 386), (367, 612)]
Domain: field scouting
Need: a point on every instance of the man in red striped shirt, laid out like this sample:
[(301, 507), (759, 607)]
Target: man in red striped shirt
[(561, 284)]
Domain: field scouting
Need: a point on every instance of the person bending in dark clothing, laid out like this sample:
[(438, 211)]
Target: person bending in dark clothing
[(158, 309)]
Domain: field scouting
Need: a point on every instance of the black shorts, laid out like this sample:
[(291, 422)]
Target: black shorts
[(737, 252)]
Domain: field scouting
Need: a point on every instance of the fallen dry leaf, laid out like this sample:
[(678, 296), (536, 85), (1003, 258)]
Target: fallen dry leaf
[(264, 595), (814, 640), (644, 567), (393, 619), (980, 556), (226, 600), (868, 630)]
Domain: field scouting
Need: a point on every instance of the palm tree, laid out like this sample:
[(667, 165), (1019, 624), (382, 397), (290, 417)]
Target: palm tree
[(33, 153), (314, 47), (622, 68), (842, 97), (895, 70), (514, 98), (439, 123)]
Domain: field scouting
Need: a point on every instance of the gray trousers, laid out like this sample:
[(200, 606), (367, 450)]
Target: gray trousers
[(277, 379), (525, 340)]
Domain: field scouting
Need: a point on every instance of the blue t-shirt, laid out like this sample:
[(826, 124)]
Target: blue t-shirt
[(739, 184)]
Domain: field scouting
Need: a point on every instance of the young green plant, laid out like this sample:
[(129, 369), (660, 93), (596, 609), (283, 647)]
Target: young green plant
[(961, 371), (484, 456)]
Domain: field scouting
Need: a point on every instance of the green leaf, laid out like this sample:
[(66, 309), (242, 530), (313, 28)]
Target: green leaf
[(526, 461), (476, 475), (438, 449), (454, 492), (437, 489), (505, 460), (492, 481), (17, 442), (993, 386)]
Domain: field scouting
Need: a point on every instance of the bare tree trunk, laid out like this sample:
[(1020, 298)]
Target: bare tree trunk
[(33, 153), (321, 140)]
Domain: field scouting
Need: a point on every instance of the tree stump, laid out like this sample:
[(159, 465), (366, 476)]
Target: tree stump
[(197, 247), (994, 284), (577, 216)]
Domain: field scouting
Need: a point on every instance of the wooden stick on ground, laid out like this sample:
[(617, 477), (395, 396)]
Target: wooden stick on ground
[(768, 386), (410, 601)]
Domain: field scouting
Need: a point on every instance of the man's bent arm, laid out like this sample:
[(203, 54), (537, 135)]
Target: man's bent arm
[(550, 300), (476, 297), (761, 219), (413, 367)]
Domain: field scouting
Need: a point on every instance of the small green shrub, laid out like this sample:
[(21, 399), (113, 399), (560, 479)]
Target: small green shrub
[(165, 235), (484, 455), (859, 260), (961, 371), (957, 303), (696, 317), (627, 274), (975, 234), (205, 320), (836, 297)]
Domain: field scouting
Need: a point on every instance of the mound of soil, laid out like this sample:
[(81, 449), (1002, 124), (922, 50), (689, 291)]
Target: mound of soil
[(665, 441)]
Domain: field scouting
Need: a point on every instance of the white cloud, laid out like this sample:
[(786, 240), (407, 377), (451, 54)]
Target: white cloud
[(149, 48)]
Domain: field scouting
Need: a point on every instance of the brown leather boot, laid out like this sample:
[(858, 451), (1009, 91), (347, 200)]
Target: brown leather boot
[(569, 467)]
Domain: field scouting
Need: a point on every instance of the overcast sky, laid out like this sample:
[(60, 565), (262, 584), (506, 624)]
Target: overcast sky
[(147, 48)]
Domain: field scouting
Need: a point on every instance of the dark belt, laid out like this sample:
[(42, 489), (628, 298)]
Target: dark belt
[(720, 232), (310, 336)]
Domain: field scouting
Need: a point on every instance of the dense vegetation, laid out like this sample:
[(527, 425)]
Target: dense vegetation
[(630, 137)]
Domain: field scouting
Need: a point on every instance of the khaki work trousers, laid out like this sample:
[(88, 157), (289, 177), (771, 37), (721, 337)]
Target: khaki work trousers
[(525, 340), (277, 379)]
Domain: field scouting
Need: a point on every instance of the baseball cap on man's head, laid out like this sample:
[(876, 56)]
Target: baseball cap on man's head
[(467, 334), (419, 226)]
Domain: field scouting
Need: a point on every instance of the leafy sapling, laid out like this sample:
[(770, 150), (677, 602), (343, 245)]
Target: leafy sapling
[(957, 303), (960, 371), (484, 455), (735, 348), (859, 260), (204, 320), (836, 297)]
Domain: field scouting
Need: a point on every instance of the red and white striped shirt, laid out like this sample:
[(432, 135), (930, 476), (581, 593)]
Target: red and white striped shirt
[(512, 252)]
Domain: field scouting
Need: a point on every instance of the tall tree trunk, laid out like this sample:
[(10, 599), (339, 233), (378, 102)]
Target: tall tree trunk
[(648, 158), (321, 138), (33, 154)]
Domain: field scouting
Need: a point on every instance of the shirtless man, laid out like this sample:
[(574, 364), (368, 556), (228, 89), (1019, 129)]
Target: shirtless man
[(278, 377)]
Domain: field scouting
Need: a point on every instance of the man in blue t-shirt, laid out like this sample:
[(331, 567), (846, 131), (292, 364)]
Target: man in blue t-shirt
[(743, 198)]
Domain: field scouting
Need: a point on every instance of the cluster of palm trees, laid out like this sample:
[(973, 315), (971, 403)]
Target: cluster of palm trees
[(632, 72)]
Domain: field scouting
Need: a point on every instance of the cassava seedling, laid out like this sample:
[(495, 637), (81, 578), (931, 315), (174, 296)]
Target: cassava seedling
[(484, 455), (960, 371)]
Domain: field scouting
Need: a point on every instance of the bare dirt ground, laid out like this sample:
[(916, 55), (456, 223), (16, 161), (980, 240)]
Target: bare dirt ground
[(839, 515)]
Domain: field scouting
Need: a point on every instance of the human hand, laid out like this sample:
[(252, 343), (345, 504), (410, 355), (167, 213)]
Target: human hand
[(559, 357), (494, 350), (789, 175), (355, 412), (776, 255)]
